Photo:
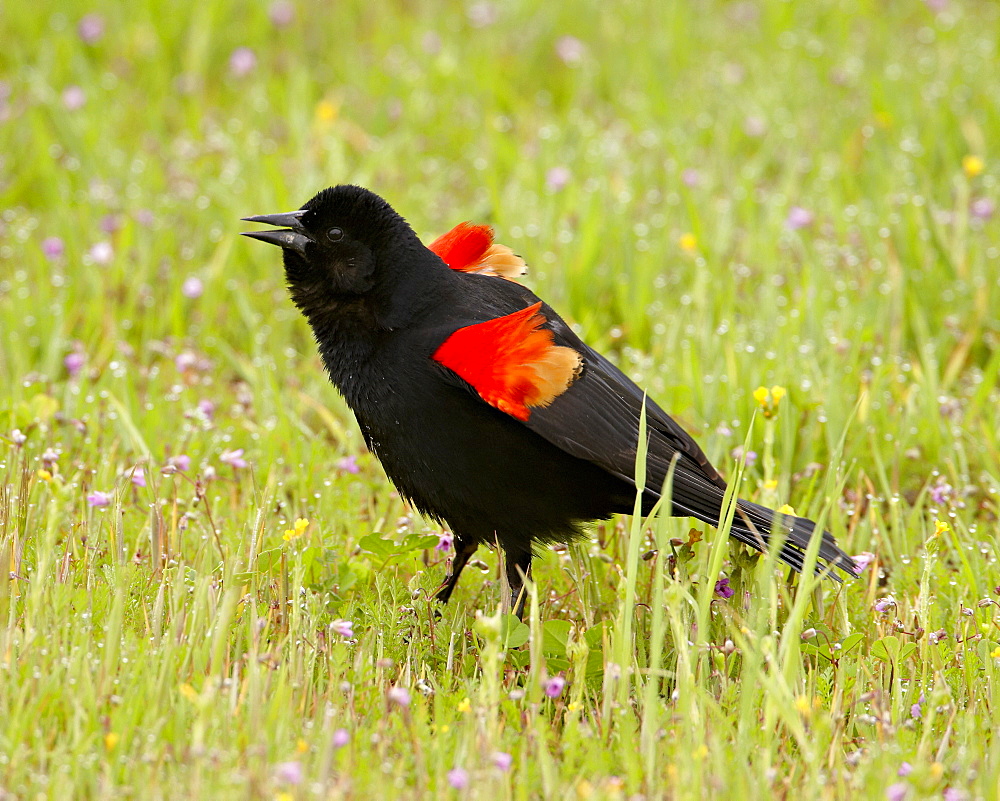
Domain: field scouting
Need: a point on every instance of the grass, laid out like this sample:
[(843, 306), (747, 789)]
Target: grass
[(174, 644)]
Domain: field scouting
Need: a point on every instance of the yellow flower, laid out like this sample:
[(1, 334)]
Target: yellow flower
[(769, 399), (301, 746), (996, 652), (111, 740), (297, 530), (785, 509), (584, 789), (189, 692), (770, 484), (937, 770), (284, 796), (688, 242), (972, 165), (940, 527), (464, 705), (701, 752), (326, 111), (803, 705), (44, 474)]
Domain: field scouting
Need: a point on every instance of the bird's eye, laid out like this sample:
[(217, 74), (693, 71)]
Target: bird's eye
[(335, 234)]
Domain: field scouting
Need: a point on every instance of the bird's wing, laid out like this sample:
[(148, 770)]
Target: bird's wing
[(470, 248)]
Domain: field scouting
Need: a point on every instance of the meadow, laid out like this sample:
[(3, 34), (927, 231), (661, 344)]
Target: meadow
[(211, 590)]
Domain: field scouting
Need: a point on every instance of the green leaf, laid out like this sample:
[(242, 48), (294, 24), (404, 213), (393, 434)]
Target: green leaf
[(268, 561), (374, 544), (513, 632), (555, 635)]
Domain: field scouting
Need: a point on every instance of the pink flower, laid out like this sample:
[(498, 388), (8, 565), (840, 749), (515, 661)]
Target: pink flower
[(445, 542), (180, 462), (798, 217), (341, 737), (281, 14), (557, 178), (691, 177), (399, 696), (723, 590), (288, 772), (570, 50), (502, 760), (863, 559), (91, 28), (343, 628), (101, 253), (53, 247), (349, 464), (242, 62), (905, 769), (110, 223), (73, 98), (982, 208), (139, 477), (554, 686), (458, 778), (192, 287), (207, 408), (18, 437), (73, 362), (99, 499), (897, 791), (234, 459)]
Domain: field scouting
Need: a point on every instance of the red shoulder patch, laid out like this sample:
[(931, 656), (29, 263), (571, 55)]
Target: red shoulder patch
[(470, 248), (512, 362)]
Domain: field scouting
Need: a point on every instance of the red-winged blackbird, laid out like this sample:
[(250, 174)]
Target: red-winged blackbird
[(485, 409)]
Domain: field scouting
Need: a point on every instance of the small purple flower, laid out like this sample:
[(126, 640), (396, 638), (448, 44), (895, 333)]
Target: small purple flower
[(916, 712), (941, 493), (73, 98), (897, 791), (863, 560), (399, 696), (905, 769), (73, 362), (139, 477), (234, 459), (723, 590), (192, 287), (185, 360), (181, 462), (206, 408), (145, 218), (954, 794), (53, 247), (937, 636), (749, 457), (936, 5), (982, 208), (341, 737), (445, 542), (557, 178), (458, 778), (554, 686), (502, 760), (343, 628), (885, 604), (99, 499), (242, 62), (49, 458), (798, 217), (91, 28), (288, 772), (101, 253), (570, 50), (349, 464), (281, 14), (691, 177), (110, 223), (18, 437)]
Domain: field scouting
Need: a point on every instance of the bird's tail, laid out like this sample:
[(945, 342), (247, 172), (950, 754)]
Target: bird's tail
[(754, 525)]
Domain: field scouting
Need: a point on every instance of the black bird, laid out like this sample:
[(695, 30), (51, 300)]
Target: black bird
[(487, 412)]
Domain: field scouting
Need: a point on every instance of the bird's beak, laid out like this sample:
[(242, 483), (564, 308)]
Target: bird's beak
[(291, 235)]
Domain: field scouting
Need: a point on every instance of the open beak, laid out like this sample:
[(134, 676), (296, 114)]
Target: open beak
[(290, 234)]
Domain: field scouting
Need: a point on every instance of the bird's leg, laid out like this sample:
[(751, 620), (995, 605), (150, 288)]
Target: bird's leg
[(518, 568), (463, 552)]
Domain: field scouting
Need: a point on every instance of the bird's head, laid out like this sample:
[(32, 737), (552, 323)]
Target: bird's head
[(337, 244)]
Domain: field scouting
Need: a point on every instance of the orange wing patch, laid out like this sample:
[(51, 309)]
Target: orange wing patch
[(470, 248), (512, 362)]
